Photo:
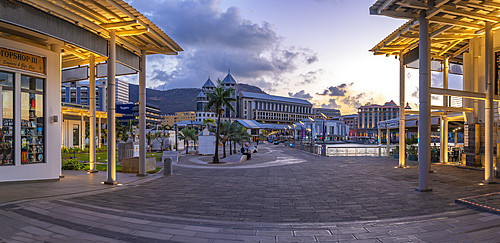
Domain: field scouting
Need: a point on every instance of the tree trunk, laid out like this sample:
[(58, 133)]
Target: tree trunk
[(224, 150), (230, 147), (186, 144), (216, 156)]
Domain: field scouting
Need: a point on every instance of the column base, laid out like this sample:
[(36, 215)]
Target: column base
[(92, 171), (402, 166), (432, 171), (61, 176), (490, 182), (110, 182), (423, 190), (142, 175)]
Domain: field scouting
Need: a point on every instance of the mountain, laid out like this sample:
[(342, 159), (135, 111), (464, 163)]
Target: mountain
[(175, 100)]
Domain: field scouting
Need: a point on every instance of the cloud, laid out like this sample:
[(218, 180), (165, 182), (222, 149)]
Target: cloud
[(300, 95), (214, 41), (338, 90), (355, 100), (309, 77), (332, 104)]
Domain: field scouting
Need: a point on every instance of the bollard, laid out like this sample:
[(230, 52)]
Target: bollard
[(379, 150), (167, 166)]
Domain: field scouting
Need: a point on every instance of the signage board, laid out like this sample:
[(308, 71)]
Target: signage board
[(22, 60)]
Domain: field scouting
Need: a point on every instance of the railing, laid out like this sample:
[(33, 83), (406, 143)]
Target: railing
[(372, 151)]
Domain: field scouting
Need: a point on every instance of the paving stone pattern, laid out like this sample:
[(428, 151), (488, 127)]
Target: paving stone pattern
[(338, 199), (332, 189)]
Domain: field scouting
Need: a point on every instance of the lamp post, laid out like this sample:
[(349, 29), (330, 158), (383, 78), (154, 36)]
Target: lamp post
[(312, 120), (176, 145), (324, 128), (301, 130), (294, 133)]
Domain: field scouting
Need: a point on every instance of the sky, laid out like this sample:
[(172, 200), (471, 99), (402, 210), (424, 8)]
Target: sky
[(311, 49)]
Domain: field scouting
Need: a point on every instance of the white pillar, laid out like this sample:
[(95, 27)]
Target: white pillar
[(142, 116), (402, 149), (488, 77), (111, 176), (445, 141), (92, 163), (82, 132), (99, 134), (424, 124)]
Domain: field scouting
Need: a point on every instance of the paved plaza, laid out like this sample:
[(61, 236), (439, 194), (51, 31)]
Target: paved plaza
[(281, 195)]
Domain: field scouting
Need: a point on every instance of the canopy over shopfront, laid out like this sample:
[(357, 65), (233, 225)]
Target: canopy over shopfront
[(451, 36), (68, 41)]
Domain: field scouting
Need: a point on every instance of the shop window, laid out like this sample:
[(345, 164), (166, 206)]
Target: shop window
[(32, 120), (6, 119)]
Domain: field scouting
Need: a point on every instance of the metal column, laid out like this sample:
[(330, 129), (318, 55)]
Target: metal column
[(92, 163), (444, 118), (402, 133), (111, 177), (142, 116), (488, 78), (424, 123)]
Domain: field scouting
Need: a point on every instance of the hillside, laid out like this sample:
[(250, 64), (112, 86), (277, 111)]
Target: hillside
[(175, 100)]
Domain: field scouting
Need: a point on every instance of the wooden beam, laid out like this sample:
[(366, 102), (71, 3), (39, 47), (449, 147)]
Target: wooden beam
[(469, 14), (119, 7), (399, 15), (121, 24), (460, 51), (132, 32), (81, 62), (455, 22), (452, 109), (88, 11), (384, 5), (413, 4), (74, 52), (458, 93), (446, 49), (157, 50)]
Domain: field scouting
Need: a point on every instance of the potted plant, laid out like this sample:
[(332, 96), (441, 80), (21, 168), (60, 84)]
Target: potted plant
[(435, 154), (395, 152), (412, 152)]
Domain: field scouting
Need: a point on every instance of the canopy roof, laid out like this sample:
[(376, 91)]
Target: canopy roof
[(452, 24), (249, 123), (133, 30), (189, 123)]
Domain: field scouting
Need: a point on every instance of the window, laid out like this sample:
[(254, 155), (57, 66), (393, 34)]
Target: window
[(7, 124), (32, 120)]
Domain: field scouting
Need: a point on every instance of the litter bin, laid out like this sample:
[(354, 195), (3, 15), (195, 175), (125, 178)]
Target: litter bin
[(167, 166)]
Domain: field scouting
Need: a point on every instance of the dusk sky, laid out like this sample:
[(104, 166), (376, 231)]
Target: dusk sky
[(311, 49)]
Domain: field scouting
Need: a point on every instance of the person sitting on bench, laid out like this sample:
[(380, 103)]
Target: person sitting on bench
[(245, 150)]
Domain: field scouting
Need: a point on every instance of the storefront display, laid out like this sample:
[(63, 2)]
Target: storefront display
[(6, 118), (32, 122)]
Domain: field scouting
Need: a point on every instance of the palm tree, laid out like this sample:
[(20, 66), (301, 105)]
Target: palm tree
[(208, 122), (225, 135), (233, 133), (241, 135), (216, 100), (187, 134)]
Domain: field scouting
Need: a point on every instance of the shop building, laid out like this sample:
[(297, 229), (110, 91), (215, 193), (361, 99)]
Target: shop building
[(40, 39), (470, 50), (179, 116)]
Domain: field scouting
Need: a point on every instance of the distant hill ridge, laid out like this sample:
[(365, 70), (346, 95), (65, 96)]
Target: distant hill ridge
[(176, 100)]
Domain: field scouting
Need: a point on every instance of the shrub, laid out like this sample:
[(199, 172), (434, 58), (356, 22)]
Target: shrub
[(73, 164)]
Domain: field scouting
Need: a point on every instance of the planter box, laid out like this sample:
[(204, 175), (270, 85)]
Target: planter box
[(396, 156), (131, 165), (413, 157)]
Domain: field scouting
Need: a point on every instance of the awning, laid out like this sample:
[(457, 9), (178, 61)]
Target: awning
[(252, 124)]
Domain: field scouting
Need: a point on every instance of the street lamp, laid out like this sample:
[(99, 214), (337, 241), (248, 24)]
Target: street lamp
[(301, 130), (294, 133), (324, 128), (312, 120)]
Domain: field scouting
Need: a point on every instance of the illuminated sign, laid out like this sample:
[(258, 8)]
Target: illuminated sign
[(21, 60)]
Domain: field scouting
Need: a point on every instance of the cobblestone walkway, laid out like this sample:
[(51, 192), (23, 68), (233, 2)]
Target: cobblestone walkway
[(335, 199)]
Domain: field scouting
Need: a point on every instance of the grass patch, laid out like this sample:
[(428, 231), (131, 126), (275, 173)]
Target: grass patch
[(155, 170)]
